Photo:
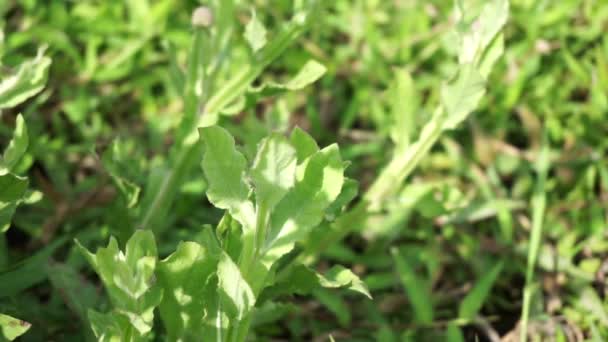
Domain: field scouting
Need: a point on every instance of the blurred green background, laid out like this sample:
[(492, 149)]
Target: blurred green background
[(466, 212)]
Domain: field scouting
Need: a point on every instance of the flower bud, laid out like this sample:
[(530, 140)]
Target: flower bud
[(202, 17)]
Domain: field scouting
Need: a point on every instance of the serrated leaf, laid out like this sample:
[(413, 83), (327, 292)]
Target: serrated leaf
[(108, 327), (319, 181), (183, 276), (273, 170), (235, 293), (129, 278), (302, 280), (340, 277), (472, 303), (308, 74), (27, 81), (111, 160), (225, 170), (12, 328), (16, 148), (255, 33), (480, 33), (462, 95), (349, 191)]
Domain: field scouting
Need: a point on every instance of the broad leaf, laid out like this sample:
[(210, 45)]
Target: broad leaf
[(113, 159), (462, 95), (235, 293), (225, 170), (308, 74), (273, 170), (16, 148), (110, 327), (255, 33), (319, 181), (11, 328), (304, 144), (302, 280), (183, 276), (27, 81), (12, 191), (480, 33), (129, 278)]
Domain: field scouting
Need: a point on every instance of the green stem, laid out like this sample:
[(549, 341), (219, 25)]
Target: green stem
[(3, 252), (236, 86), (539, 203), (186, 150), (402, 165)]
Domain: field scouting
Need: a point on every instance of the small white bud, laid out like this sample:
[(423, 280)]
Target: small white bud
[(202, 17)]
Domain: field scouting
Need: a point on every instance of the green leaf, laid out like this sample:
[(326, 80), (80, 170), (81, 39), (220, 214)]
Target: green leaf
[(340, 277), (27, 81), (480, 33), (319, 181), (184, 278), (304, 144), (129, 278), (491, 55), (16, 148), (454, 334), (461, 95), (404, 104), (109, 327), (472, 303), (349, 191), (241, 82), (235, 293), (416, 288), (255, 33), (273, 170), (12, 190), (113, 159), (308, 74), (225, 170), (12, 328), (302, 280)]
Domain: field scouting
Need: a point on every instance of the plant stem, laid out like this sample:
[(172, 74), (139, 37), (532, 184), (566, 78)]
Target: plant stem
[(539, 202), (390, 179), (185, 152)]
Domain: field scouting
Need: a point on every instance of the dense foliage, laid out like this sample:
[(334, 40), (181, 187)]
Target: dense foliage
[(171, 170)]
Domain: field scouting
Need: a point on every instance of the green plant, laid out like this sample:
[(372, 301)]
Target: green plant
[(471, 182), (273, 204), (16, 86), (478, 43), (210, 287)]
